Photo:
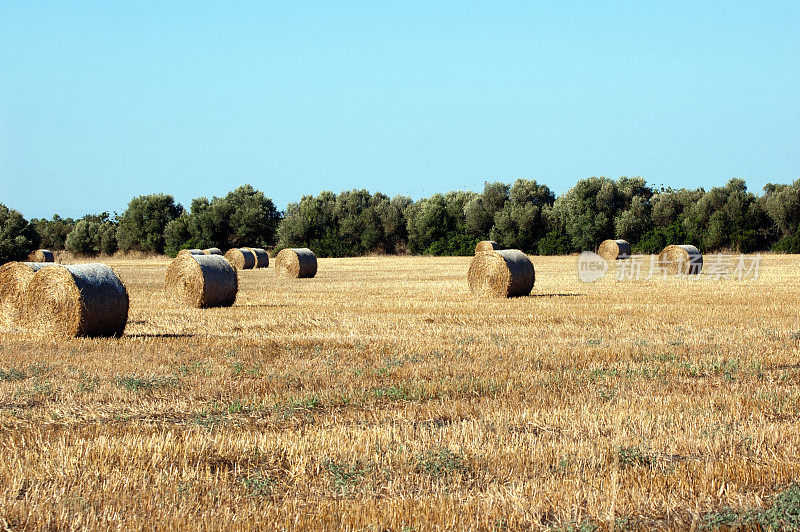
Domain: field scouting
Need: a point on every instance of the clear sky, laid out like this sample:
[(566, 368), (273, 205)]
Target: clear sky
[(102, 101)]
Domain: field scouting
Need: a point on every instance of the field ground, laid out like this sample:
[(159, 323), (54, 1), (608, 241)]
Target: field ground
[(382, 395)]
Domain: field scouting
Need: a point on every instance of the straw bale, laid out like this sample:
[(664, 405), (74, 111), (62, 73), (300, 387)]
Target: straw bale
[(502, 273)]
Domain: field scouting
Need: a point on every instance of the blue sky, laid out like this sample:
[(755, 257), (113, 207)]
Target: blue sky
[(102, 101)]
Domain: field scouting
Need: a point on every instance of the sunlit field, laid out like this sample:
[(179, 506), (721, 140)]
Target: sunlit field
[(382, 395)]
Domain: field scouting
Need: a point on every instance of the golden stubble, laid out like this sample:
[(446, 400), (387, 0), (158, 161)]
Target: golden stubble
[(382, 394)]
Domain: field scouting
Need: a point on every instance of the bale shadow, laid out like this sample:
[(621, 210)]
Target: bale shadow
[(160, 335), (556, 295), (280, 305)]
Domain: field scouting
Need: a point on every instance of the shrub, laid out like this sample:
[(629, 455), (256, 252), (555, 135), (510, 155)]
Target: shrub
[(788, 244), (555, 243)]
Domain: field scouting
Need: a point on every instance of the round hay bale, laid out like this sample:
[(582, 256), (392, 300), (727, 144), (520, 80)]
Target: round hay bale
[(487, 245), (212, 251), (79, 300), (296, 262), (202, 281), (190, 252), (14, 280), (262, 257), (614, 249), (42, 255), (681, 259), (241, 258), (502, 273)]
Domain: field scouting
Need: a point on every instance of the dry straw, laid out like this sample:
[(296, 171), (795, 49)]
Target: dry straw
[(80, 300), (14, 280), (190, 252), (502, 273), (296, 262), (262, 257), (614, 249), (241, 258), (42, 255), (681, 259), (487, 245), (202, 281), (212, 251)]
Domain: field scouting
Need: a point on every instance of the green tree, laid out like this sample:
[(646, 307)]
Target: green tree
[(657, 238), (243, 217), (480, 211), (670, 206), (141, 227), (108, 238), (555, 243), (782, 204), (633, 216), (53, 233), (358, 227), (17, 237), (437, 225), (178, 236), (634, 221), (599, 208), (85, 238), (522, 221), (92, 235), (311, 223), (586, 212), (392, 217), (728, 217)]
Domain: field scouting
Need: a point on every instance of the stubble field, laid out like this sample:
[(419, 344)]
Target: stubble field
[(382, 395)]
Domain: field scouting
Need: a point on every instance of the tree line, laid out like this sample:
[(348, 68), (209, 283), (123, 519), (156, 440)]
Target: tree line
[(524, 215)]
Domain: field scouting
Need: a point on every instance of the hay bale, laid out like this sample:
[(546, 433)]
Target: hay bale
[(212, 251), (296, 262), (202, 281), (42, 255), (681, 259), (614, 250), (14, 280), (502, 273), (79, 300), (241, 258), (190, 252), (487, 245), (262, 257)]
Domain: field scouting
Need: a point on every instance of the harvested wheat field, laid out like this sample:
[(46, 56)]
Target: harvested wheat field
[(382, 394)]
